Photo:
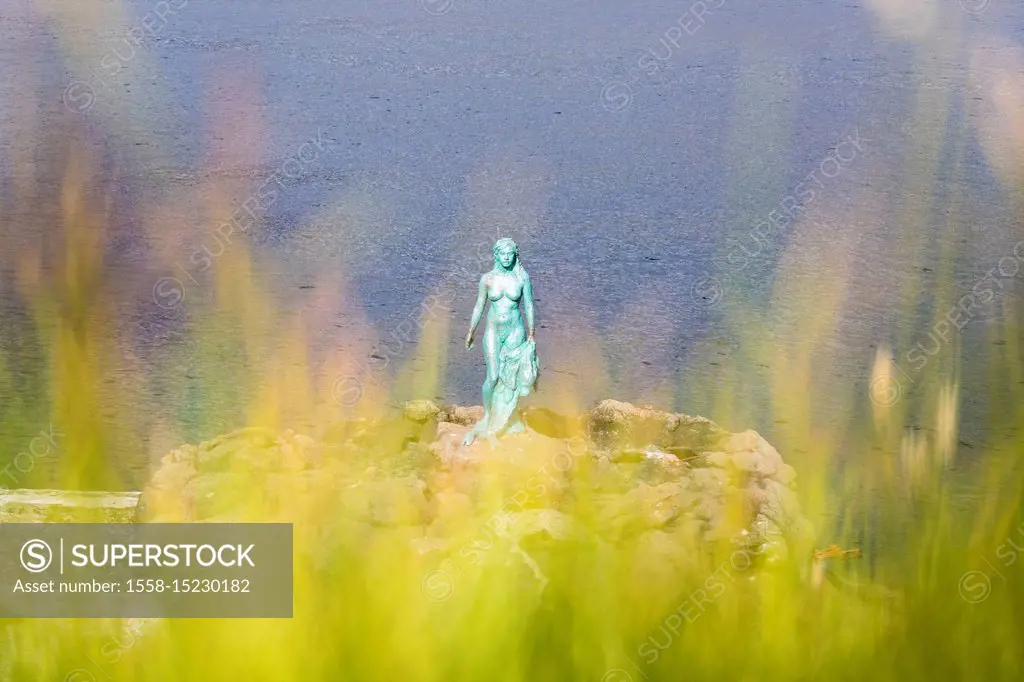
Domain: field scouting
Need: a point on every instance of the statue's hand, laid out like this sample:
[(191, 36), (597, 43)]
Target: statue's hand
[(469, 340)]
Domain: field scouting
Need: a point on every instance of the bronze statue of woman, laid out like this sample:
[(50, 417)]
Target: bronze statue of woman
[(509, 348)]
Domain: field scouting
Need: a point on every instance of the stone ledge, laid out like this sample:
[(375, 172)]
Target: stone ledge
[(67, 506)]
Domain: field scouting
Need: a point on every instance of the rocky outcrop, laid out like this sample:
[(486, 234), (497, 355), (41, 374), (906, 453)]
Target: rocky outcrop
[(669, 486)]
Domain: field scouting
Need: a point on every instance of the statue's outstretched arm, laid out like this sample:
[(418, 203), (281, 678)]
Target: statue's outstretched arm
[(478, 310), (528, 304)]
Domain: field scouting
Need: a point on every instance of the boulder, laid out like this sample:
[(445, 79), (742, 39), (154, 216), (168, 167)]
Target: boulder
[(421, 411), (616, 424), (226, 477)]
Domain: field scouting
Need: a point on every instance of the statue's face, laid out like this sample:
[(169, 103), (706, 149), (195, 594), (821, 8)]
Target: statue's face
[(506, 256)]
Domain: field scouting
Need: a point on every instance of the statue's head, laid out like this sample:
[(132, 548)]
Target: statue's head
[(505, 252)]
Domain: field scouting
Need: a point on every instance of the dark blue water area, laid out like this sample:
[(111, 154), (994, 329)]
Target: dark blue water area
[(631, 150)]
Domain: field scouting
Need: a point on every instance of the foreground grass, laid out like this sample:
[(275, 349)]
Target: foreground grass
[(370, 608)]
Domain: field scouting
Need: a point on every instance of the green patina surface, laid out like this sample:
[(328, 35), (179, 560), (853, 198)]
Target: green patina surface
[(509, 349)]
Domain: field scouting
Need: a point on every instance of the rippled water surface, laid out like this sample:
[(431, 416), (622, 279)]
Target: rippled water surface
[(723, 208)]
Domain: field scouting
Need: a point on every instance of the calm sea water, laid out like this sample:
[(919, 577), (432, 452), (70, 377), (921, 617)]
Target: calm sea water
[(634, 151)]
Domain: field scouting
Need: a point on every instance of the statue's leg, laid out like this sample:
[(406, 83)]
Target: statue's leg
[(490, 344)]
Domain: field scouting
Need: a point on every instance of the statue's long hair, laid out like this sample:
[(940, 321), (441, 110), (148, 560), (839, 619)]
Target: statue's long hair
[(518, 268)]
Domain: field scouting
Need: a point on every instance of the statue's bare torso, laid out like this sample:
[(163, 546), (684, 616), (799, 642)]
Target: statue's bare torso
[(504, 290)]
